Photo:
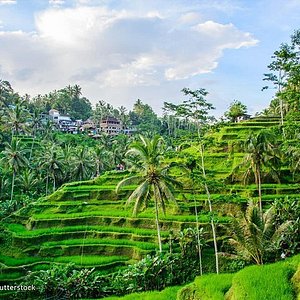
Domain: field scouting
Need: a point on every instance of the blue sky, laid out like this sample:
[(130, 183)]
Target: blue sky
[(119, 51)]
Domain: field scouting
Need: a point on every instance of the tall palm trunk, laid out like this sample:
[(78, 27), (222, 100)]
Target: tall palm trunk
[(210, 209), (280, 98), (32, 144), (198, 236), (47, 184), (12, 185), (258, 182), (54, 183), (157, 226)]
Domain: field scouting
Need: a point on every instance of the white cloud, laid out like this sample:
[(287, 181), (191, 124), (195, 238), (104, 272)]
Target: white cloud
[(7, 2), (114, 48), (56, 3)]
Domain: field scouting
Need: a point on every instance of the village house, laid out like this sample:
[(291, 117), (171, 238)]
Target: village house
[(63, 121), (111, 126)]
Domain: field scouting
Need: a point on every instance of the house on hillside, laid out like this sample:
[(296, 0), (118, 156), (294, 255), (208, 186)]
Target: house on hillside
[(243, 117), (63, 121), (111, 126)]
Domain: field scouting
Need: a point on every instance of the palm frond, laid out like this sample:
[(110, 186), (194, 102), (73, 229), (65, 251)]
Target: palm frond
[(128, 181)]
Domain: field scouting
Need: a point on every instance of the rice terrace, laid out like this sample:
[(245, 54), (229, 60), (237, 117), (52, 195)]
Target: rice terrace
[(100, 201)]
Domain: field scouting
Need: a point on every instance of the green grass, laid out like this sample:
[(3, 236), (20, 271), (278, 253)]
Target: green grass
[(207, 287), (91, 260), (166, 294), (118, 213), (12, 275), (20, 230), (110, 242), (11, 261), (38, 262), (270, 282), (95, 187)]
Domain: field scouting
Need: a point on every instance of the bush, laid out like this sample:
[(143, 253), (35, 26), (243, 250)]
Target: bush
[(207, 287), (270, 282)]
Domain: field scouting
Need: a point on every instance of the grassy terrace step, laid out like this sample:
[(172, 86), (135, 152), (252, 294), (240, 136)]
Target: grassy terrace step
[(147, 223), (131, 251), (21, 231), (25, 241), (109, 242), (122, 216), (88, 202), (82, 188), (16, 268), (248, 124), (29, 262)]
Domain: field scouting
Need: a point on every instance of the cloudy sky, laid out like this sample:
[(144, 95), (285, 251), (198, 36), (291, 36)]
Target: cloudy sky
[(122, 50)]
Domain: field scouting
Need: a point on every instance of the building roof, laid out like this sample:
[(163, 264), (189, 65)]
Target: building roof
[(110, 119)]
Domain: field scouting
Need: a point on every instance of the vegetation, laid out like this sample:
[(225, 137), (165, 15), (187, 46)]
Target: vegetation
[(82, 214)]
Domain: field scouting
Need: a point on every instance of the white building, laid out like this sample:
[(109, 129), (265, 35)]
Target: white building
[(63, 122)]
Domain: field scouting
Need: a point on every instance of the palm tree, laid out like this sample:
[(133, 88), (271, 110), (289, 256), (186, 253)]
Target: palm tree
[(154, 182), (82, 164), (14, 156), (261, 153), (101, 157), (36, 123), (28, 181), (212, 222), (255, 235), (292, 154), (16, 117), (6, 92), (48, 130), (51, 163), (191, 164), (66, 156)]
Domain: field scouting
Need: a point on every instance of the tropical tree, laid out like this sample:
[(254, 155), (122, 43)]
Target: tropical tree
[(14, 156), (16, 117), (82, 164), (102, 158), (255, 236), (284, 59), (154, 182), (197, 109), (28, 181), (235, 110), (51, 163), (6, 93), (261, 153)]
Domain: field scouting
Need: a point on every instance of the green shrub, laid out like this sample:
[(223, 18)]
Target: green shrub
[(207, 287), (270, 282)]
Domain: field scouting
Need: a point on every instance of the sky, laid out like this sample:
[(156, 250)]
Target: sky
[(121, 51)]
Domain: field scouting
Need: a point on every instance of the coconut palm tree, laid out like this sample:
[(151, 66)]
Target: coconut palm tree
[(212, 221), (154, 182), (261, 153), (82, 164), (28, 181), (255, 235), (6, 92), (14, 156), (51, 162), (16, 117), (102, 159), (36, 123)]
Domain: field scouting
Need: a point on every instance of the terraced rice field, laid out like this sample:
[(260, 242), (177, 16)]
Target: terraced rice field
[(88, 224)]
